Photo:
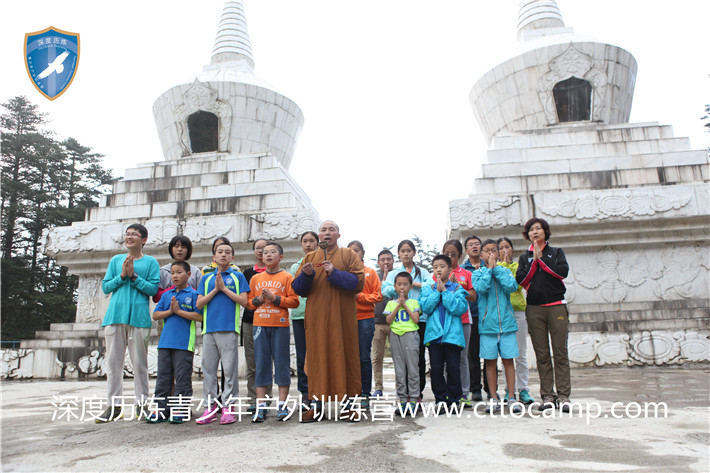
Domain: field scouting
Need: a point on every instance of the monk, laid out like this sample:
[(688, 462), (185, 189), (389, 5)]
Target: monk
[(331, 284)]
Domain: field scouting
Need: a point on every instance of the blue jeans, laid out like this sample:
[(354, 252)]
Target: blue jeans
[(299, 339), (365, 332)]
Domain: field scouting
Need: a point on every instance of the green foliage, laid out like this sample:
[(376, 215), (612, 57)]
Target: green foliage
[(425, 253), (45, 183)]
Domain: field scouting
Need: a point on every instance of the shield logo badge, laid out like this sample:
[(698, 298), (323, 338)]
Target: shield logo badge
[(51, 59)]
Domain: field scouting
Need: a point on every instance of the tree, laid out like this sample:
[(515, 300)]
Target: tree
[(45, 183), (425, 253)]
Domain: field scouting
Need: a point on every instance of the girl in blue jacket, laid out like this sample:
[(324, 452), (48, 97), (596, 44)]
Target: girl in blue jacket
[(496, 321)]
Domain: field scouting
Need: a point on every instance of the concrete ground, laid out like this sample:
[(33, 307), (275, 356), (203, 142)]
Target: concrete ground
[(600, 437)]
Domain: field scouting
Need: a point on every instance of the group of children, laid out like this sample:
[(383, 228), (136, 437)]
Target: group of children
[(456, 313)]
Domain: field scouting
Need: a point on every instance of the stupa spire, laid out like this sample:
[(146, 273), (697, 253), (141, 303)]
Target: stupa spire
[(538, 15), (232, 43)]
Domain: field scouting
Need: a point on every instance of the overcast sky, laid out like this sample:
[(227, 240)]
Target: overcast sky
[(389, 137)]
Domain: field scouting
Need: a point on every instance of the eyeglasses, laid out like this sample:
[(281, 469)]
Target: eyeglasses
[(134, 235)]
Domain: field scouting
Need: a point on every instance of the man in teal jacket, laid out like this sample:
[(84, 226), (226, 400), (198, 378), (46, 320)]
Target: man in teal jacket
[(131, 280)]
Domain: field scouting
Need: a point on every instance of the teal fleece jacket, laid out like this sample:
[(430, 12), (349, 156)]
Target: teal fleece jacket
[(129, 302)]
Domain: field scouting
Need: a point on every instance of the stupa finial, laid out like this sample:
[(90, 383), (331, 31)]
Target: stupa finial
[(538, 15), (232, 43)]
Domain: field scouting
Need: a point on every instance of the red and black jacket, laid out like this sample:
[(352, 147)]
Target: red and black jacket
[(542, 279)]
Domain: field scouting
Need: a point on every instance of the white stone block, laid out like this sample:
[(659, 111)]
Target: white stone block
[(500, 170), (224, 190), (544, 167), (545, 154), (592, 164), (164, 209), (504, 156), (508, 185), (138, 173), (684, 158)]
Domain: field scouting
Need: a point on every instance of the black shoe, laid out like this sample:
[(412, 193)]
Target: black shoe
[(476, 396)]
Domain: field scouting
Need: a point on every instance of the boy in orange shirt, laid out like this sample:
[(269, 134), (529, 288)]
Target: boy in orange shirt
[(270, 298)]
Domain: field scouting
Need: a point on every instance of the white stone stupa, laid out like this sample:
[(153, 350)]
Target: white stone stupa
[(628, 202), (228, 138)]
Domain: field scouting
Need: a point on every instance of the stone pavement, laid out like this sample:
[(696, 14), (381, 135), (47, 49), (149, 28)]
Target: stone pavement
[(592, 439)]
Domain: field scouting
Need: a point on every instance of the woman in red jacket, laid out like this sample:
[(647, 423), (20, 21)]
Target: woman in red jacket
[(366, 301)]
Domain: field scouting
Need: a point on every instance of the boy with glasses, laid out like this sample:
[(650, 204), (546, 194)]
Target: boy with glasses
[(131, 280)]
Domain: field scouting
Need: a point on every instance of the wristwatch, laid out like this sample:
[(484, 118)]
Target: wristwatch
[(133, 277)]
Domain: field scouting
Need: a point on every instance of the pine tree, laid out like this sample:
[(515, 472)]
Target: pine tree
[(44, 184)]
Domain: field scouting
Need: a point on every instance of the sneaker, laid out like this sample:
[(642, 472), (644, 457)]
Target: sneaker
[(465, 401), (177, 419), (365, 401), (209, 415), (142, 411), (514, 404), (259, 417), (155, 417), (227, 417), (306, 405), (110, 414), (525, 397), (476, 396), (251, 409), (282, 414), (377, 393), (414, 406), (402, 410), (493, 406), (563, 403), (548, 402)]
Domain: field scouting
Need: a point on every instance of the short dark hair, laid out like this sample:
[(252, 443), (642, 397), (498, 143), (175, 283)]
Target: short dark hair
[(384, 252), (469, 238), (184, 241), (223, 244), (141, 229), (183, 264), (443, 258), (358, 243), (315, 235), (223, 239), (405, 275), (489, 241), (253, 245), (543, 223), (505, 239), (278, 247)]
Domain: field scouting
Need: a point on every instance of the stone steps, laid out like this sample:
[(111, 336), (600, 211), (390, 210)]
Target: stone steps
[(692, 314), (603, 179), (581, 134)]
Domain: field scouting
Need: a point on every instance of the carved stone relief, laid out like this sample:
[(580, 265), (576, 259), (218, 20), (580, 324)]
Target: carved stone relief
[(12, 361), (478, 213), (605, 204), (612, 274), (68, 239), (658, 347), (89, 295), (286, 224), (572, 63), (200, 96)]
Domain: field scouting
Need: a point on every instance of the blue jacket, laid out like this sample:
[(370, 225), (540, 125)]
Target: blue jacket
[(453, 302), (495, 312)]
